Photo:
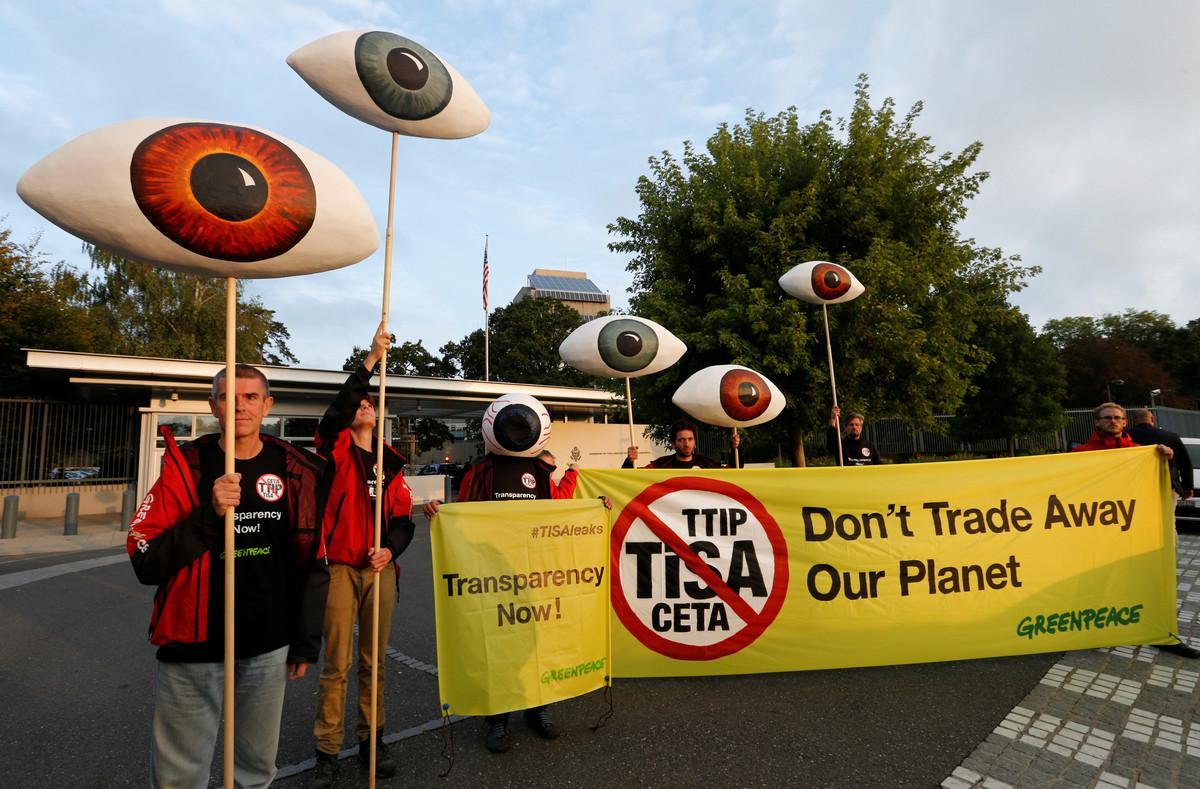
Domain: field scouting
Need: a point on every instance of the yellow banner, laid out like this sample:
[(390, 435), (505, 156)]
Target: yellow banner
[(729, 572), (521, 603)]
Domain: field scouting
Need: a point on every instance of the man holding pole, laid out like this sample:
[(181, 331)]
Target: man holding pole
[(355, 566), (856, 450), (176, 541)]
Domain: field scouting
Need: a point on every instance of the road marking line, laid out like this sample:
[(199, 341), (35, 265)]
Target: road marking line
[(43, 573), (415, 731)]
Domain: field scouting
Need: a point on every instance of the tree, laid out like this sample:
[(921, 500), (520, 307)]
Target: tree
[(147, 311), (719, 226), (35, 312), (406, 358), (1019, 392), (524, 340), (1145, 349)]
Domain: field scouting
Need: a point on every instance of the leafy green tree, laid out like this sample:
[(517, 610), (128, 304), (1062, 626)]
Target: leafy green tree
[(719, 226), (411, 358), (1019, 392), (1141, 347), (35, 311), (524, 340), (142, 310)]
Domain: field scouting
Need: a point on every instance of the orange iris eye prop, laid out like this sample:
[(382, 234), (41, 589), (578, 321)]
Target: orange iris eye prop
[(744, 395), (830, 280), (729, 395), (226, 192)]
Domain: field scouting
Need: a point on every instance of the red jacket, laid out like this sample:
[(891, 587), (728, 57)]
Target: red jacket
[(174, 531), (1104, 441), (565, 487), (348, 527), (477, 482)]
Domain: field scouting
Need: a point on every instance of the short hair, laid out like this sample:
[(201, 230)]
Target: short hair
[(240, 371), (1096, 411), (856, 415), (683, 424), (1140, 415)]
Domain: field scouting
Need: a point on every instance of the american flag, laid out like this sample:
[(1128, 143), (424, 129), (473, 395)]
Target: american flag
[(485, 275)]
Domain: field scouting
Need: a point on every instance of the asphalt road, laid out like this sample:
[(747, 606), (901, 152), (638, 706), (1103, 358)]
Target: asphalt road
[(77, 692)]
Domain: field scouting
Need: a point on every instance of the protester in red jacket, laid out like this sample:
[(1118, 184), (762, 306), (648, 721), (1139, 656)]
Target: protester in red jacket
[(565, 487), (344, 438), (176, 540), (1110, 434)]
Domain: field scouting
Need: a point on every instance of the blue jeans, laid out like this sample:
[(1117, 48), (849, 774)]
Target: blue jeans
[(187, 714)]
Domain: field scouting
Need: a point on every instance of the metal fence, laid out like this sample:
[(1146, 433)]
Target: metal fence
[(46, 443)]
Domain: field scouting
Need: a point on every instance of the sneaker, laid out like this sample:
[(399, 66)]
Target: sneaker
[(385, 766), (1181, 649), (497, 738), (540, 721), (325, 774)]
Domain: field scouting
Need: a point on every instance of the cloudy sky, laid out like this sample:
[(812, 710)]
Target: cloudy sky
[(1089, 113)]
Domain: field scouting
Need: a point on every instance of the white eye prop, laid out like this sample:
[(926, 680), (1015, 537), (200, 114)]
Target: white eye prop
[(818, 282), (391, 82), (517, 425), (203, 198), (621, 346), (729, 396)]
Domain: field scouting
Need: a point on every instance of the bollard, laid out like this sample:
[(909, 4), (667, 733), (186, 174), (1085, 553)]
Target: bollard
[(446, 492), (71, 521), (127, 502), (9, 530)]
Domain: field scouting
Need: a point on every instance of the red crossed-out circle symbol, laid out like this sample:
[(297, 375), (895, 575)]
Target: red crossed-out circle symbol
[(658, 524)]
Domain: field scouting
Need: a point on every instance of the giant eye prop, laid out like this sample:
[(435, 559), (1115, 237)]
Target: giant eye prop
[(621, 346), (728, 395), (818, 282), (211, 199), (397, 85)]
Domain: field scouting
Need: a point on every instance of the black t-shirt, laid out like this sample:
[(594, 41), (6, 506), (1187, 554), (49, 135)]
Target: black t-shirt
[(367, 459), (513, 478), (260, 571)]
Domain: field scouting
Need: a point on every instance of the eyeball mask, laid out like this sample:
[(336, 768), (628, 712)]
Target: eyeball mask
[(391, 82), (818, 282), (212, 199), (729, 396), (621, 346), (516, 425)]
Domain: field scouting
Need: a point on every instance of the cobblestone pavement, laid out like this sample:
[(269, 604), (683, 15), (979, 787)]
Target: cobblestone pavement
[(1117, 717)]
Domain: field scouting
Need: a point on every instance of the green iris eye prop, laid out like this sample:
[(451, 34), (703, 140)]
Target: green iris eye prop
[(621, 346), (403, 78)]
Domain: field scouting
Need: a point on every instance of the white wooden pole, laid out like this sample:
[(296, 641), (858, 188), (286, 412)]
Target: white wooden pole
[(380, 417), (230, 441), (837, 420)]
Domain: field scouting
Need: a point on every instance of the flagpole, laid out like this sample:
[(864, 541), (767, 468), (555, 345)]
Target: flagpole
[(486, 349)]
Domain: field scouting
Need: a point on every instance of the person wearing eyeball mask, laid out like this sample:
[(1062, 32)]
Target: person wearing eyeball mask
[(516, 428), (683, 441)]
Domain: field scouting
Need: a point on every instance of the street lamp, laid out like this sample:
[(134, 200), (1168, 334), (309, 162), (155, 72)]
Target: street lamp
[(1153, 394), (1108, 385)]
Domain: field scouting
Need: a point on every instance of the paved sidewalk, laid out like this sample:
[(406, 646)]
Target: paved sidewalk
[(1116, 717), (45, 535)]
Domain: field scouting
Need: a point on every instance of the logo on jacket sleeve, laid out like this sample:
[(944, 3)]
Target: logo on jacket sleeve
[(269, 487)]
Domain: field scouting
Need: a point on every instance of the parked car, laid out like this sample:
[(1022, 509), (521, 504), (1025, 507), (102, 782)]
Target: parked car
[(75, 472), (1187, 511)]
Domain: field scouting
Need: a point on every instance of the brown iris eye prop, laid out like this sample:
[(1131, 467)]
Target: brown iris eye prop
[(820, 282), (203, 197), (744, 394), (222, 191), (729, 395)]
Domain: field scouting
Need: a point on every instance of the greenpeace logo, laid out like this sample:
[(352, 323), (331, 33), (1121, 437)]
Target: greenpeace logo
[(1081, 619), (570, 672)]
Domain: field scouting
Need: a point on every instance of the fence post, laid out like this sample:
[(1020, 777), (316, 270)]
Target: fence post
[(71, 521), (446, 492), (127, 501), (9, 530)]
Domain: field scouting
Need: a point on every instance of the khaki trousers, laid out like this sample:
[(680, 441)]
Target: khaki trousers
[(349, 600)]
